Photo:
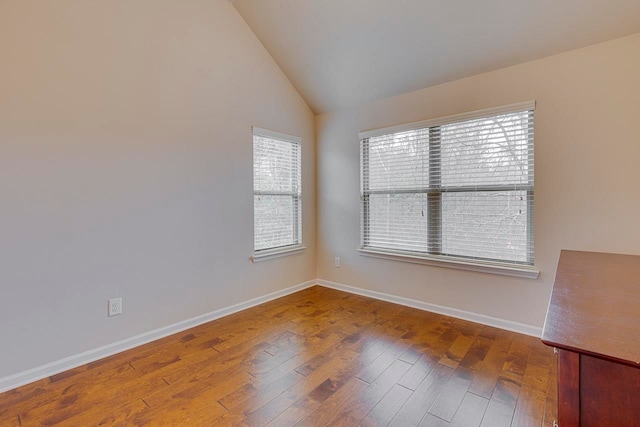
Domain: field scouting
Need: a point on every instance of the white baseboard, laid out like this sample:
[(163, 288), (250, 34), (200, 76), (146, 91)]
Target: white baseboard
[(509, 325), (25, 377), (44, 371)]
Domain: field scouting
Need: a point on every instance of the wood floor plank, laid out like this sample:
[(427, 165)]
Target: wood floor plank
[(198, 378), (295, 413), (517, 357), (432, 421), (437, 338), (422, 398), (354, 342), (319, 385), (370, 397), (387, 407), (447, 403), (317, 357), (11, 421), (411, 355), (331, 407), (551, 402), (80, 400), (477, 352), (64, 389), (418, 372), (256, 397), (530, 407), (488, 372), (457, 351), (502, 404), (470, 412), (209, 391), (299, 359), (372, 371), (121, 416)]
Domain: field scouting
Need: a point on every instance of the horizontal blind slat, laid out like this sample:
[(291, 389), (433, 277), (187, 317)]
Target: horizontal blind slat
[(481, 174), (277, 190)]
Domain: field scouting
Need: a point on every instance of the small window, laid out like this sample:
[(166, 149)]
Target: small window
[(277, 191), (458, 188)]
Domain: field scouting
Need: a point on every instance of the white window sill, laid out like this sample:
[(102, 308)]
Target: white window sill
[(276, 253), (479, 266)]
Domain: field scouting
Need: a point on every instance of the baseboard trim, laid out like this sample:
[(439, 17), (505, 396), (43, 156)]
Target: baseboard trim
[(25, 377), (508, 325)]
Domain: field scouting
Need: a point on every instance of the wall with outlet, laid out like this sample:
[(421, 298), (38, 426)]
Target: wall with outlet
[(126, 170), (114, 307)]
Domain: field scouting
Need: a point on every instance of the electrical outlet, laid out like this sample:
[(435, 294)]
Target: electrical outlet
[(336, 262), (115, 307)]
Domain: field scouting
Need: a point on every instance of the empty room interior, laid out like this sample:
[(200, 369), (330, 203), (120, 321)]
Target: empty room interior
[(319, 212)]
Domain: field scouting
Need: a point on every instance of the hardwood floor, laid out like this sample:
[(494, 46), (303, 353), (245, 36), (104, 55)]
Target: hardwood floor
[(318, 357)]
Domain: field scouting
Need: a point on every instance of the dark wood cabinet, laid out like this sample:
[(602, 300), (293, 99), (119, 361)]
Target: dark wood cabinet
[(594, 321)]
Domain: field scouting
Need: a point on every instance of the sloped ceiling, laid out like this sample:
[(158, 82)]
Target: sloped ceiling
[(340, 53)]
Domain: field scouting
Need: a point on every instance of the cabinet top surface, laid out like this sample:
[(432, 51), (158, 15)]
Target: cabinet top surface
[(595, 306)]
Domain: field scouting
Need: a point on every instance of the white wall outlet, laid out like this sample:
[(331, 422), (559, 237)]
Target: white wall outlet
[(115, 307), (336, 262)]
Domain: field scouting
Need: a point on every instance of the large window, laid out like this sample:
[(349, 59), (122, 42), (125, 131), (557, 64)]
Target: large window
[(277, 191), (458, 188)]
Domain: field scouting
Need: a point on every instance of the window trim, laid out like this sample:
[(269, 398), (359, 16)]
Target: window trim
[(297, 247), (435, 257), (267, 254), (524, 271), (511, 108)]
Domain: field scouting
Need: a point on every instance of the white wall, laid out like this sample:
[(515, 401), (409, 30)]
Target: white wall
[(126, 169), (587, 156)]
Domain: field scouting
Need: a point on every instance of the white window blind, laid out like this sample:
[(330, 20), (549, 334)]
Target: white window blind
[(459, 187), (277, 190)]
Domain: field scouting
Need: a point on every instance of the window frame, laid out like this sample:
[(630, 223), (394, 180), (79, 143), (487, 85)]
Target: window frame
[(435, 191), (297, 245)]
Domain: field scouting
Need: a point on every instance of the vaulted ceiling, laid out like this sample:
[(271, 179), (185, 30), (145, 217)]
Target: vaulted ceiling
[(340, 53)]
